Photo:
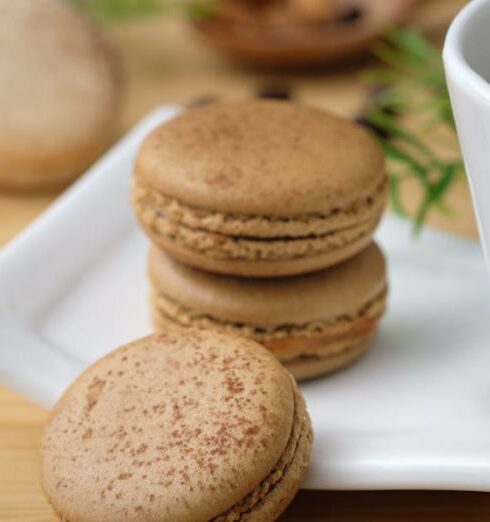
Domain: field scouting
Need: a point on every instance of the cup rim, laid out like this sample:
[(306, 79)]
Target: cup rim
[(454, 61)]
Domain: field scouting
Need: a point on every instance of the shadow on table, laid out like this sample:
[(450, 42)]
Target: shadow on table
[(388, 506)]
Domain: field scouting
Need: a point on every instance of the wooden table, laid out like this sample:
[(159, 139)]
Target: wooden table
[(165, 63)]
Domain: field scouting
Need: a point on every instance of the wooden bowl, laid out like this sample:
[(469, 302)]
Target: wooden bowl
[(263, 37)]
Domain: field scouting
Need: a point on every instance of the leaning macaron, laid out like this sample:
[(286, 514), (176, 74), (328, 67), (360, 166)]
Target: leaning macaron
[(314, 323), (185, 426), (259, 188)]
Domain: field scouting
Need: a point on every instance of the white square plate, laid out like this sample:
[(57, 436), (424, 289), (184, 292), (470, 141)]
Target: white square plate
[(413, 413)]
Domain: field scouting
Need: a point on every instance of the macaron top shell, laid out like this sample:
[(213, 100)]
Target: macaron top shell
[(261, 157), (320, 295), (179, 426)]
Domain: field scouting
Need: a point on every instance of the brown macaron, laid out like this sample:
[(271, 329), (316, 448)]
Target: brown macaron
[(60, 94), (259, 188), (185, 426), (314, 323)]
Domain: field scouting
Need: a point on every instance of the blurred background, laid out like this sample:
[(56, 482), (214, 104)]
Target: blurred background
[(374, 61)]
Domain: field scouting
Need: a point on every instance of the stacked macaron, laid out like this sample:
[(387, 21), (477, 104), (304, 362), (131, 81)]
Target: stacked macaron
[(262, 215)]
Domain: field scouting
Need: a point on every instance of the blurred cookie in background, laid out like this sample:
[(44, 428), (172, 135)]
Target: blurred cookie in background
[(60, 89)]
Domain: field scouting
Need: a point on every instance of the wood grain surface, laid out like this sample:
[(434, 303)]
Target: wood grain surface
[(164, 62)]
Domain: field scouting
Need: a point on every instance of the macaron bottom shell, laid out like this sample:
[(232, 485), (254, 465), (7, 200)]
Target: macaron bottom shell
[(254, 245), (262, 268), (310, 367)]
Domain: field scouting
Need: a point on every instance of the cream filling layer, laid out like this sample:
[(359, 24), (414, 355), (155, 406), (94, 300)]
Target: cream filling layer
[(155, 206), (219, 246), (286, 341)]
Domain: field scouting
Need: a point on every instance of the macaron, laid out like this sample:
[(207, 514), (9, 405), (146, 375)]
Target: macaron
[(259, 188), (185, 426), (313, 323), (60, 94)]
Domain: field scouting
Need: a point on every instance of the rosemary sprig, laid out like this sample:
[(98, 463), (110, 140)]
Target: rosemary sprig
[(412, 85), (119, 10)]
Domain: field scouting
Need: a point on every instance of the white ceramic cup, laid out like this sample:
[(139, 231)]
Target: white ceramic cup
[(467, 64)]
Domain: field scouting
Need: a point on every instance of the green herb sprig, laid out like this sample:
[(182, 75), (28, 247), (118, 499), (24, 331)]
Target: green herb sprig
[(412, 83), (107, 11)]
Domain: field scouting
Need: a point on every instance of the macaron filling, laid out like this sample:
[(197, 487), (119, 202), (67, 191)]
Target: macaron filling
[(156, 206), (319, 337), (321, 346), (268, 238)]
